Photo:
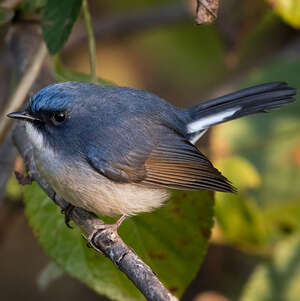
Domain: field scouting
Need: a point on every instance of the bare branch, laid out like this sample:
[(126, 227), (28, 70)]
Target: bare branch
[(22, 90), (107, 241)]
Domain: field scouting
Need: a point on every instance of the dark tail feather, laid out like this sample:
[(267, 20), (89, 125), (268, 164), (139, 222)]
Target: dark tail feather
[(257, 99)]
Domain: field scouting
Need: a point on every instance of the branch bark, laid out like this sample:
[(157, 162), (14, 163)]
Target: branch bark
[(107, 241)]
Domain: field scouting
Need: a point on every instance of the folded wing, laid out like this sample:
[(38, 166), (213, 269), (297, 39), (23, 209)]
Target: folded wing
[(171, 161)]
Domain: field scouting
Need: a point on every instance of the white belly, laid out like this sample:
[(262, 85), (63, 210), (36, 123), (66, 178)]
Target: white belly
[(81, 186)]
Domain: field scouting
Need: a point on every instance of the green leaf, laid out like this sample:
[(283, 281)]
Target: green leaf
[(279, 279), (63, 74), (57, 22), (172, 240), (289, 10)]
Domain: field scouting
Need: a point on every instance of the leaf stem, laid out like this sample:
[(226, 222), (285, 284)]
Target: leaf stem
[(91, 37)]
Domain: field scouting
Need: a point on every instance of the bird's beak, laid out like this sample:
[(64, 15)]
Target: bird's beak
[(22, 115)]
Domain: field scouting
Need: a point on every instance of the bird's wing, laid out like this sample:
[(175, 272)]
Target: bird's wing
[(172, 162), (176, 163)]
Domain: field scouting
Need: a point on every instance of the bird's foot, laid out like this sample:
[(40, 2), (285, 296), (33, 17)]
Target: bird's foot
[(67, 212), (92, 238)]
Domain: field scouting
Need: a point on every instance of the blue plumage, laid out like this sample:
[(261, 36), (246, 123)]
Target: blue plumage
[(114, 150)]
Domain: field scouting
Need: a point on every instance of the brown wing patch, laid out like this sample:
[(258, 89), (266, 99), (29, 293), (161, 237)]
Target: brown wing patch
[(168, 160), (177, 164)]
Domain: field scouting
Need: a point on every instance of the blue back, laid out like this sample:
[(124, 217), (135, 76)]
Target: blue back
[(112, 120)]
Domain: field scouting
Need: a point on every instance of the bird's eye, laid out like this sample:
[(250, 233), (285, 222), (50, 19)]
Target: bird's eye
[(58, 118)]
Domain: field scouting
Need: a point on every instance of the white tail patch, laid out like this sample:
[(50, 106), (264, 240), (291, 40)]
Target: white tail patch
[(205, 122), (196, 136)]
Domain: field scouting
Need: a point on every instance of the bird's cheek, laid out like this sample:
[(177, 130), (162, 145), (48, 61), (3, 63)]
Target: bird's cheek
[(34, 135)]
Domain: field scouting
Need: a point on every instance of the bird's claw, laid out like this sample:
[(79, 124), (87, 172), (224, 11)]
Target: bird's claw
[(67, 212), (92, 238)]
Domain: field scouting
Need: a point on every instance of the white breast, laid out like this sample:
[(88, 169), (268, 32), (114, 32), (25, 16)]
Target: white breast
[(84, 187)]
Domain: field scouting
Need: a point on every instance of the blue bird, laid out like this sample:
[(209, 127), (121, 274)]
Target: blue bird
[(116, 151)]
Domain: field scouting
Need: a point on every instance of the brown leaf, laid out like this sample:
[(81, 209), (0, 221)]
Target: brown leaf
[(207, 11)]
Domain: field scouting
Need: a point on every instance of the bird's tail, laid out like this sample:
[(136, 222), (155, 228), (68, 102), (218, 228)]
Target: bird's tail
[(257, 99)]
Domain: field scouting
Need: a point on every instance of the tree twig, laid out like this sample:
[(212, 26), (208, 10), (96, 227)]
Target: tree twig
[(22, 90), (92, 44), (107, 241)]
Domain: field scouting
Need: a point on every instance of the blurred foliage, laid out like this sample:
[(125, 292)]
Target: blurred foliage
[(168, 48), (172, 240), (271, 145), (279, 278), (289, 10), (237, 214), (14, 191), (260, 38), (272, 142), (128, 5)]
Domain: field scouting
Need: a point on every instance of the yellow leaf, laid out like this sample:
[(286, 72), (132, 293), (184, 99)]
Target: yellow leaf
[(289, 10)]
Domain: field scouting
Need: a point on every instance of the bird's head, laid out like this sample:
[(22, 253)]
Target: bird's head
[(55, 113)]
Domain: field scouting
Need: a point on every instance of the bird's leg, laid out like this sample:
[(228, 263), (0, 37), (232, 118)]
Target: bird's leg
[(67, 211), (118, 223), (92, 238)]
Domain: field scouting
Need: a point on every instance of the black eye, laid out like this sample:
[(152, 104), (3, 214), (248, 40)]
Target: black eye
[(58, 118)]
